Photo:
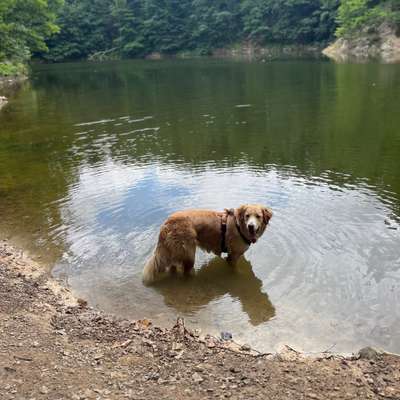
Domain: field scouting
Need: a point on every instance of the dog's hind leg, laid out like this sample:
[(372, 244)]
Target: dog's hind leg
[(154, 266), (188, 265), (149, 270), (188, 259)]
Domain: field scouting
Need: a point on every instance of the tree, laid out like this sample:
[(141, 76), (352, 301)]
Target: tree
[(128, 18), (354, 15), (215, 23), (165, 25), (289, 21), (24, 27), (85, 27)]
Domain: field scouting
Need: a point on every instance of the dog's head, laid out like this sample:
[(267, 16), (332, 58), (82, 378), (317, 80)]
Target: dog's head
[(252, 220)]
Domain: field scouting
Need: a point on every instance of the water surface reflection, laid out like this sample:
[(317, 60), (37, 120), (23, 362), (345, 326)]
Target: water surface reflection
[(94, 157), (212, 281)]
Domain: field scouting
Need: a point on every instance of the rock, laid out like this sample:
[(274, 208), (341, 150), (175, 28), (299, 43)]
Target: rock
[(199, 368), (98, 356), (197, 378), (226, 336), (369, 353), (179, 355), (122, 345), (380, 43), (245, 347), (197, 332), (177, 346), (44, 390), (144, 323), (82, 303), (152, 376), (88, 394)]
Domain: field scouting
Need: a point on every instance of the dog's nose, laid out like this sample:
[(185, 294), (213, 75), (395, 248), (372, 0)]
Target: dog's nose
[(251, 228)]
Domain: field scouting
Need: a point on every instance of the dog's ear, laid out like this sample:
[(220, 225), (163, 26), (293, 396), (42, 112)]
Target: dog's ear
[(239, 214), (267, 214)]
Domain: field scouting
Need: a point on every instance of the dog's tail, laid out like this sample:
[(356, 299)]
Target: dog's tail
[(150, 270)]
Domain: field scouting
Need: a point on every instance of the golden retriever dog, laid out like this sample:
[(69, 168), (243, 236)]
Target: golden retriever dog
[(231, 231)]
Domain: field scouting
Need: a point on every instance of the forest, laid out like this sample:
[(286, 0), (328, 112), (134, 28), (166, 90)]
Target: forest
[(65, 30)]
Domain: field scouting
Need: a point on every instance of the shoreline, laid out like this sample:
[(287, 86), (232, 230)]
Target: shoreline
[(52, 345)]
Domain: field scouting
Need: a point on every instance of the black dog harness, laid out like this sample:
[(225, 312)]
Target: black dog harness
[(224, 221)]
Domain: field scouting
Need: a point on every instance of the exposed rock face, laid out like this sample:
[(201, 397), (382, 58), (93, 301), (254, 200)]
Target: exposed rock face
[(383, 44), (251, 51), (8, 85)]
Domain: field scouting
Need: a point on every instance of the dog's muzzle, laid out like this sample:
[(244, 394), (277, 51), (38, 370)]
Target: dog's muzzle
[(251, 228)]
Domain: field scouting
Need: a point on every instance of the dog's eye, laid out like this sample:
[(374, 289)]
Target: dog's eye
[(247, 216), (258, 216)]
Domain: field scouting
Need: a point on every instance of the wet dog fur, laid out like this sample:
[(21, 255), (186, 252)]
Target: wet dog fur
[(184, 231)]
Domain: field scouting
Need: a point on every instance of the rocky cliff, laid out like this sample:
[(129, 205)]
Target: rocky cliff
[(381, 44)]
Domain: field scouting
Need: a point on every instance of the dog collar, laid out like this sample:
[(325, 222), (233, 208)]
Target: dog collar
[(247, 241), (224, 219)]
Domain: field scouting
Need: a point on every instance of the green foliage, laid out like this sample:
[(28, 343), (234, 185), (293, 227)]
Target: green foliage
[(100, 29), (85, 27), (289, 21), (136, 28), (11, 69), (128, 18), (24, 27), (214, 23), (356, 15)]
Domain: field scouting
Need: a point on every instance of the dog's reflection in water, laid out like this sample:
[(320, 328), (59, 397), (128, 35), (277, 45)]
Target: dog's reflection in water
[(215, 279)]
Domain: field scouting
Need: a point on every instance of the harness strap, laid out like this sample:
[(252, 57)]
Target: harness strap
[(247, 241), (224, 221)]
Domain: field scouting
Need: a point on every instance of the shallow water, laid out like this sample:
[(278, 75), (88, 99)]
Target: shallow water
[(94, 157)]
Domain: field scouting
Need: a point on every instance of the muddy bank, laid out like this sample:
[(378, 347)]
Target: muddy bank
[(382, 45), (53, 346)]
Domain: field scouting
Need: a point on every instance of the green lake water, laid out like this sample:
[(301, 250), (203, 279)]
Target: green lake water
[(93, 158)]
